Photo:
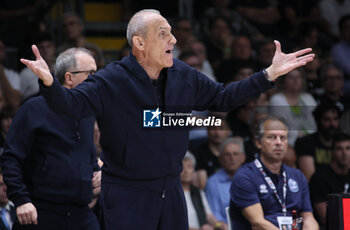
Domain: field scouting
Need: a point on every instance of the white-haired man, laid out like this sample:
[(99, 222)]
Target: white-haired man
[(141, 188)]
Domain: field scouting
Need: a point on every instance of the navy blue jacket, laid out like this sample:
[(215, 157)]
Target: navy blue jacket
[(117, 95), (48, 157)]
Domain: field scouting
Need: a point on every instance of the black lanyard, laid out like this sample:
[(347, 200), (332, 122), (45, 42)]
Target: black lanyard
[(273, 187)]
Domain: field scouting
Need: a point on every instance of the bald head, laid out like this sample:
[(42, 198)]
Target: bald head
[(138, 23)]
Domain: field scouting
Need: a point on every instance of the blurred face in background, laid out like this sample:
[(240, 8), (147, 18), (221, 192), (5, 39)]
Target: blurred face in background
[(329, 124), (47, 50), (266, 53), (72, 27), (241, 48), (182, 31), (293, 82), (341, 153), (231, 158), (187, 171), (194, 62), (199, 49), (333, 81), (217, 135)]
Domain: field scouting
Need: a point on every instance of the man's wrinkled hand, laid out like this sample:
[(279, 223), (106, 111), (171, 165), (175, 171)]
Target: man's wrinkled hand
[(27, 214)]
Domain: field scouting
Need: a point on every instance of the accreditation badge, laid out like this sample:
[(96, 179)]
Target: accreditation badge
[(285, 222)]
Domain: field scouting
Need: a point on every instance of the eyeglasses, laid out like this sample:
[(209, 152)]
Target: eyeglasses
[(84, 71)]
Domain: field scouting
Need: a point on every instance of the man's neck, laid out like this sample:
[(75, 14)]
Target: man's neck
[(273, 166), (186, 186), (324, 140), (152, 71), (340, 169), (230, 173), (214, 149)]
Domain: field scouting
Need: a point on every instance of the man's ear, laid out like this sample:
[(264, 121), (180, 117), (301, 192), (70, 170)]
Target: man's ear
[(257, 143), (138, 42), (68, 79)]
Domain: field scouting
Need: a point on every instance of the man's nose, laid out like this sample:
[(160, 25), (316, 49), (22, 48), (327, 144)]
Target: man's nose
[(173, 40)]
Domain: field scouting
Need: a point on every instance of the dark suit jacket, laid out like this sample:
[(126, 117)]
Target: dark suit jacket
[(13, 218)]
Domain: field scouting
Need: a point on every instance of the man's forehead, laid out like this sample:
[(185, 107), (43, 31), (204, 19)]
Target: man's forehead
[(276, 131), (159, 23)]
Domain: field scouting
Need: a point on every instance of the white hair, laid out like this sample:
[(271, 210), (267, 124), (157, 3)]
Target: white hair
[(234, 140), (190, 156), (138, 24)]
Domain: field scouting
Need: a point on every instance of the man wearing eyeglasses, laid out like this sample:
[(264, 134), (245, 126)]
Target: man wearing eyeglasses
[(49, 161)]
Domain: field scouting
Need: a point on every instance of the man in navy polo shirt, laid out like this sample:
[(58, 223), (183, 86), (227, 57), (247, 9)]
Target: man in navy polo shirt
[(265, 192)]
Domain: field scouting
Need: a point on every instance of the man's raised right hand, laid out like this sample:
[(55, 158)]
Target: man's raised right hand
[(39, 67), (27, 214)]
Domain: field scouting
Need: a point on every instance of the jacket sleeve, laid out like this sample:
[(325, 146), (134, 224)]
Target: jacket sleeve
[(18, 143), (94, 163), (215, 96), (83, 101)]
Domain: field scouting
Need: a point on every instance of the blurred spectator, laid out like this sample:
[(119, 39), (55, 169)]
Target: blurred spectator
[(259, 113), (290, 158), (266, 189), (20, 19), (264, 14), (332, 11), (238, 120), (29, 81), (182, 30), (192, 59), (296, 13), (6, 117), (345, 122), (125, 51), (239, 25), (73, 28), (333, 178), (241, 53), (218, 41), (199, 48), (217, 190), (9, 81), (7, 209), (97, 54), (332, 82), (228, 72), (207, 153), (313, 80), (294, 105), (341, 50), (313, 150), (200, 216), (265, 52)]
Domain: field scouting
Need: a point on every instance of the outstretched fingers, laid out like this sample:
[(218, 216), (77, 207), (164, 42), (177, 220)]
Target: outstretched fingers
[(278, 46), (36, 52), (302, 52)]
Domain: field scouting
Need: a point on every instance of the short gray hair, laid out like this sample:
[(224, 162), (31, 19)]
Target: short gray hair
[(190, 156), (138, 24), (67, 60), (234, 140), (259, 131)]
